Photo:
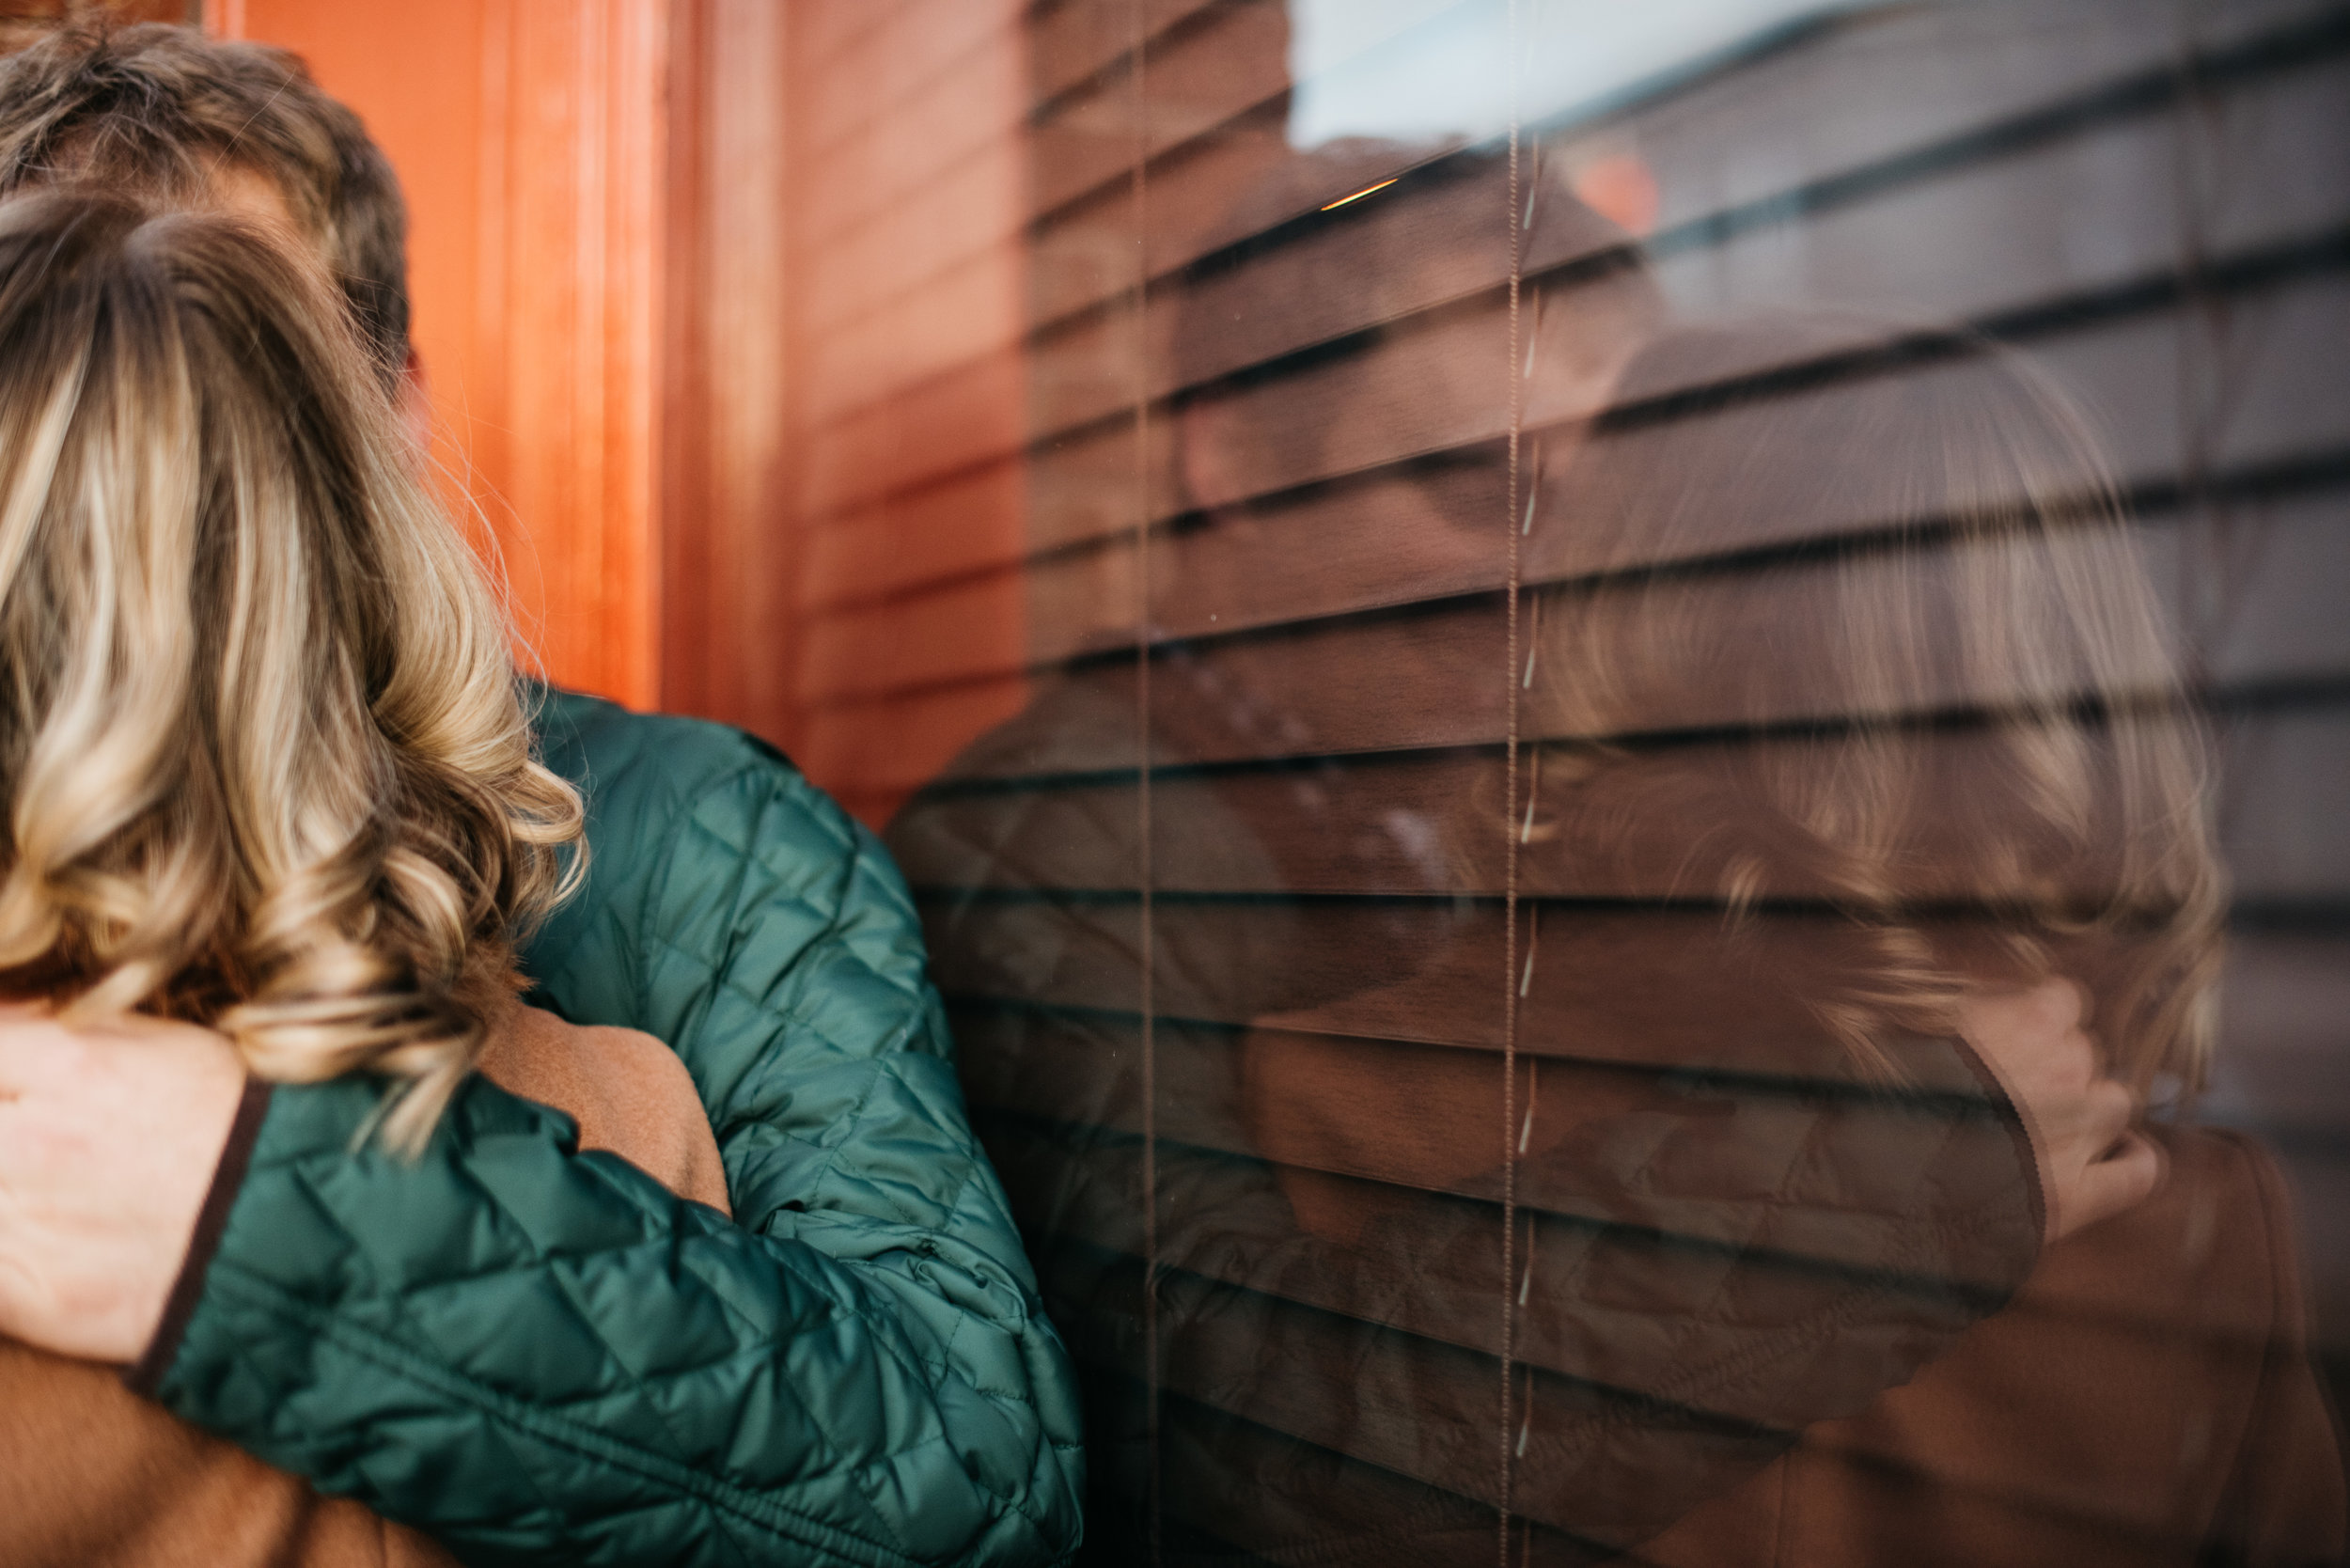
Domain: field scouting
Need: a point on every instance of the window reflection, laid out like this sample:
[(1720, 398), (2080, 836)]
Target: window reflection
[(1608, 799)]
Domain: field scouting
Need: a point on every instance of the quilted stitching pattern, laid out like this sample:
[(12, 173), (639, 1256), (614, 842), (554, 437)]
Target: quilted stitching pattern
[(542, 1356)]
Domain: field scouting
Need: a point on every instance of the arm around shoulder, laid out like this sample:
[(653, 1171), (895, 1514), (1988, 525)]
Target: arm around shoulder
[(542, 1356)]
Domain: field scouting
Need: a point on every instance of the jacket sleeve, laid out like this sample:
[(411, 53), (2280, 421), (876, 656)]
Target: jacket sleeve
[(540, 1356)]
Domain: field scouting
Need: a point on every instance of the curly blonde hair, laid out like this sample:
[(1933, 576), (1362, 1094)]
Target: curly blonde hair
[(266, 763)]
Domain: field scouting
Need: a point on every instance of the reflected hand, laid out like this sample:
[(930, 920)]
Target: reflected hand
[(2093, 1163), (109, 1137)]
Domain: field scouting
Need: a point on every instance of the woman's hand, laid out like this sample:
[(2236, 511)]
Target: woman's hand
[(109, 1137), (2093, 1164)]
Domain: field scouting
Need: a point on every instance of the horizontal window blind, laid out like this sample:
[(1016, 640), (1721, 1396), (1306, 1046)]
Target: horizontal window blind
[(901, 289), (1427, 628)]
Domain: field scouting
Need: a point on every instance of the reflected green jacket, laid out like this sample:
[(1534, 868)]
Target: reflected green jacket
[(541, 1355)]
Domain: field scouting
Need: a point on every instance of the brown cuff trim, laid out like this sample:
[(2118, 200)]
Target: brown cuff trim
[(2021, 1129), (212, 1221)]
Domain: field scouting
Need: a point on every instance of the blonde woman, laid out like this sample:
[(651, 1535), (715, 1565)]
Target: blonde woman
[(1857, 679), (618, 1376), (267, 771)]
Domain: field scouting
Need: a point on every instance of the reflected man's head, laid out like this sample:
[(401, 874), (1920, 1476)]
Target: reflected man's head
[(164, 115), (1378, 328)]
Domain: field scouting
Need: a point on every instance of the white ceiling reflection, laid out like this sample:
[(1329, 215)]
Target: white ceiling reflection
[(1433, 70)]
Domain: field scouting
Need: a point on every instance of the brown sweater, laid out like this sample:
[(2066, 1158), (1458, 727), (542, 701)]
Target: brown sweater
[(91, 1476), (2147, 1401)]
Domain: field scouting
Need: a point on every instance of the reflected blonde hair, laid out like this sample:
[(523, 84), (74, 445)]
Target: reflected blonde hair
[(1921, 679), (265, 760)]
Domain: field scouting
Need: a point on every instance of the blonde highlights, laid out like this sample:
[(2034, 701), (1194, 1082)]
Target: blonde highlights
[(266, 764), (1880, 653)]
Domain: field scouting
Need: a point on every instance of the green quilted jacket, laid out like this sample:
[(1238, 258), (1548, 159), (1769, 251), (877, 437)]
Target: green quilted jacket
[(542, 1356)]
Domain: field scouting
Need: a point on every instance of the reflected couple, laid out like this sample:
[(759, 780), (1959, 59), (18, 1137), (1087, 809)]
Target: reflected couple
[(1760, 987)]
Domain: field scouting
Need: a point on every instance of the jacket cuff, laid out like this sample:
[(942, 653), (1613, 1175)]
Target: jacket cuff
[(2029, 1147), (147, 1374)]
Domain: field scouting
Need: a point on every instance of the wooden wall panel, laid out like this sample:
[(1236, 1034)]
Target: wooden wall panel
[(729, 550), (574, 148), (908, 184)]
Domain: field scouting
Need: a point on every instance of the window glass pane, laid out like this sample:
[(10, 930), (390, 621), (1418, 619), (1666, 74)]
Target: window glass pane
[(1642, 700)]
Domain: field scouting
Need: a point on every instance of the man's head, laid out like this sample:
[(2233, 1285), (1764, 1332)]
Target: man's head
[(166, 115), (1376, 282)]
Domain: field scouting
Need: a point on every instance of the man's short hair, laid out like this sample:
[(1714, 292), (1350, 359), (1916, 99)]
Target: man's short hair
[(158, 111)]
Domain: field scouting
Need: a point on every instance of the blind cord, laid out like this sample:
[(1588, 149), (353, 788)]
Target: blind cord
[(1154, 1487), (1515, 372)]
